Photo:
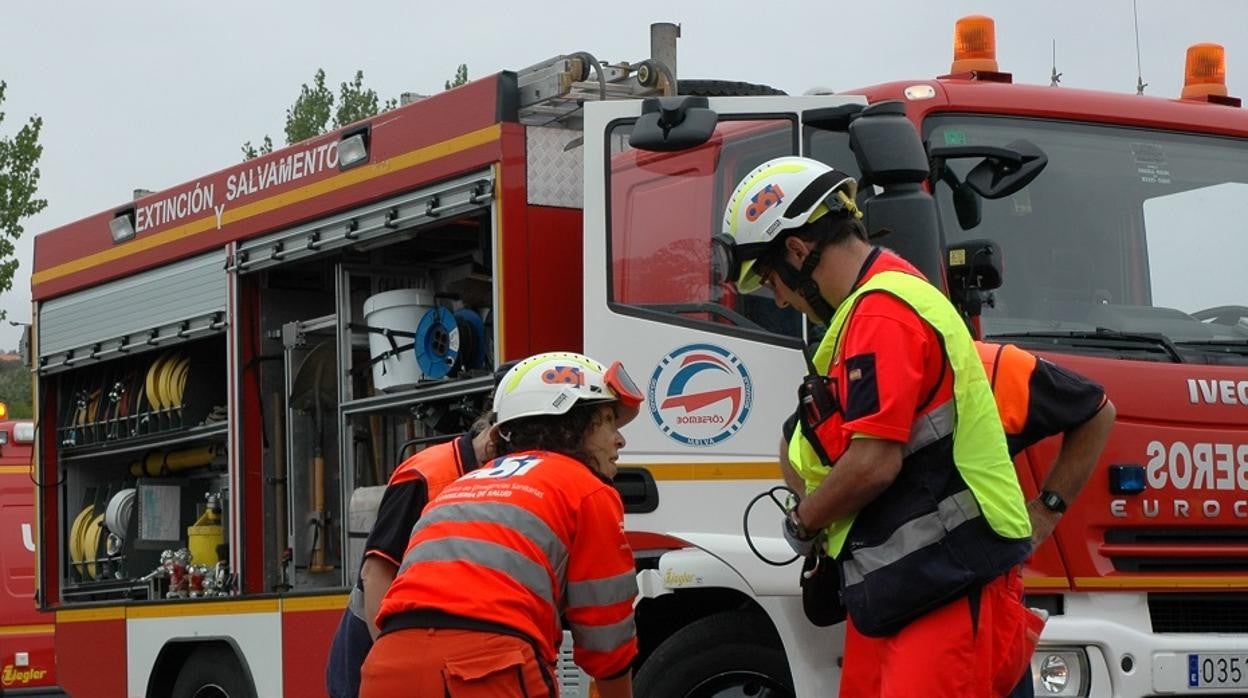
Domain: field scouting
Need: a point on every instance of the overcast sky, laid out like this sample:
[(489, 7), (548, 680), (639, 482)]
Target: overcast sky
[(153, 94)]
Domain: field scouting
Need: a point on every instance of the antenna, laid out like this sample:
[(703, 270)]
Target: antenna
[(1054, 77), (1139, 72)]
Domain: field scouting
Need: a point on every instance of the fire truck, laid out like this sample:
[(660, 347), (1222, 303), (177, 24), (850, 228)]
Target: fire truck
[(228, 369), (27, 665)]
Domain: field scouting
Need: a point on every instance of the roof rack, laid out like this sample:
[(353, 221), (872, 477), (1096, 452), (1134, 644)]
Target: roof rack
[(551, 92)]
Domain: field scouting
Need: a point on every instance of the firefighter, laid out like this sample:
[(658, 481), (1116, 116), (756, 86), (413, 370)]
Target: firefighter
[(413, 484), (909, 479), (1036, 399), (505, 552)]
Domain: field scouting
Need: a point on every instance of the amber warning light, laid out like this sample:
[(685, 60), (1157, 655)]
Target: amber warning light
[(974, 45), (1205, 73)]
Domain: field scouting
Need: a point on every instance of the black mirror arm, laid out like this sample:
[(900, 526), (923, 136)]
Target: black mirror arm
[(1006, 156)]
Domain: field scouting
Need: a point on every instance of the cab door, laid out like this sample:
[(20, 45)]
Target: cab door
[(719, 369)]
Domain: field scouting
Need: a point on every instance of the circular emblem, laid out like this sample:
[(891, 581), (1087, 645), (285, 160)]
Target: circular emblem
[(700, 394)]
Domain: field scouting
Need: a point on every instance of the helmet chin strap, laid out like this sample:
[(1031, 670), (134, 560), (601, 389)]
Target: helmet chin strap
[(803, 281)]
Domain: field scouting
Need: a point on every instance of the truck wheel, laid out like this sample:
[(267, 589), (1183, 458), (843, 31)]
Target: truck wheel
[(724, 88), (726, 655), (213, 671)]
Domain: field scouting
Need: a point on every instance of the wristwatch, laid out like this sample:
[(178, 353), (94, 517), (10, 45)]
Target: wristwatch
[(794, 524), (1053, 501)]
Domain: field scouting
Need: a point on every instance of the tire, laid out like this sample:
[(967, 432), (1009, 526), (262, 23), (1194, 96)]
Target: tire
[(735, 653), (724, 88), (213, 671)]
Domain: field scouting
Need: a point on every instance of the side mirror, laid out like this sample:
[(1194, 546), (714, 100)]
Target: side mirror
[(996, 178), (966, 202), (1003, 171), (673, 123)]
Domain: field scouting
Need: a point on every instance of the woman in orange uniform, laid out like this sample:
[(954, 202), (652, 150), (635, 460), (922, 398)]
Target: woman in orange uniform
[(508, 550)]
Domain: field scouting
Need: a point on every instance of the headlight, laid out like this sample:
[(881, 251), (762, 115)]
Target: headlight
[(1060, 671)]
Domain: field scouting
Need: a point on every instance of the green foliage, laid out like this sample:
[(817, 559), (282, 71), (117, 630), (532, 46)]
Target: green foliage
[(15, 390), (19, 182), (250, 151), (310, 113), (461, 76), (314, 112), (355, 102)]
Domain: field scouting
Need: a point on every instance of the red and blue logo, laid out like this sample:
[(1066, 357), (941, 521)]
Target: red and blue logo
[(700, 394)]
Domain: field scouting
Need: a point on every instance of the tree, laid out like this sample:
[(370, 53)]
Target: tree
[(250, 151), (15, 390), (313, 109), (356, 103), (461, 76), (308, 116), (19, 182)]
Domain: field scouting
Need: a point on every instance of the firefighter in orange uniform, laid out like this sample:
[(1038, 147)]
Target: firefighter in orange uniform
[(908, 481), (413, 484), (1036, 399), (508, 550)]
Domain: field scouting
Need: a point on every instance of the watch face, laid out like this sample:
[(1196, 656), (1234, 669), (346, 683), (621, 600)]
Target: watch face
[(1053, 501)]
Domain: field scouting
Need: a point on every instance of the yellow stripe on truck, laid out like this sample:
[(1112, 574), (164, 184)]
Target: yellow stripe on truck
[(416, 157), (296, 604), (712, 471), (207, 608), (8, 630), (87, 615)]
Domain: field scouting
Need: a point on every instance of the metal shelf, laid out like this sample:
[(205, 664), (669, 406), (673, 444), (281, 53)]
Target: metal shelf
[(101, 590), (430, 392), (145, 442)]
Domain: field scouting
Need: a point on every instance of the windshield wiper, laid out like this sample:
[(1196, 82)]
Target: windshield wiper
[(1224, 346), (1100, 337)]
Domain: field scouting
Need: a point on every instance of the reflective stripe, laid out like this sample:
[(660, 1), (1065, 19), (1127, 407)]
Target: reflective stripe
[(603, 592), (500, 558), (931, 427), (519, 519), (603, 638), (914, 535), (355, 603)]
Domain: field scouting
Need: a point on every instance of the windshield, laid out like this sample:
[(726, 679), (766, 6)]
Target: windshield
[(1126, 232)]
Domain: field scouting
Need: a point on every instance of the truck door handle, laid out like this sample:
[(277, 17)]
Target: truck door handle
[(638, 490)]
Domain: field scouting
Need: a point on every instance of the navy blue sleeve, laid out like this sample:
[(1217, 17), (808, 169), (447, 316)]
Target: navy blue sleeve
[(398, 512), (1059, 401)]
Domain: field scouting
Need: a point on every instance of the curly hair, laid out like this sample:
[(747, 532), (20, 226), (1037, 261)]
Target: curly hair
[(562, 433)]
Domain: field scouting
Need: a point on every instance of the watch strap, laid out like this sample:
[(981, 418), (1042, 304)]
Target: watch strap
[(1053, 501)]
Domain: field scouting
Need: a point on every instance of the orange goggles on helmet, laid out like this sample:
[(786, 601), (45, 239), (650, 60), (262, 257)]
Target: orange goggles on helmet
[(620, 383)]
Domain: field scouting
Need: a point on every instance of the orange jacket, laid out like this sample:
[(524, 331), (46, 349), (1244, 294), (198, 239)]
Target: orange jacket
[(520, 542), (412, 486), (1036, 399)]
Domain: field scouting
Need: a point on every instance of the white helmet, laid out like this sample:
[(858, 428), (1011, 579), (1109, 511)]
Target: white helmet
[(781, 194), (552, 383)]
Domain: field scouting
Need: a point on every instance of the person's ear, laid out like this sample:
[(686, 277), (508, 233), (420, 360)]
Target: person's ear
[(796, 246)]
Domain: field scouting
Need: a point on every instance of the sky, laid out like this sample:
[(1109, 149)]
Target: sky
[(153, 94)]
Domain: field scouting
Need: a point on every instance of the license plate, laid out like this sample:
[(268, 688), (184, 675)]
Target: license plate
[(1217, 670)]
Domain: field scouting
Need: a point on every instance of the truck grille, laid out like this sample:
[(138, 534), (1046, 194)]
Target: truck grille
[(1199, 613), (1182, 551)]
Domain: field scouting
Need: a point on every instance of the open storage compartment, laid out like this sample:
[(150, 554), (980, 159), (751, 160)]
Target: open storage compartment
[(377, 330), (141, 443)]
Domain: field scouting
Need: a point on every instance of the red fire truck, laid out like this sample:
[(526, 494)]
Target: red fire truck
[(27, 664), (228, 369)]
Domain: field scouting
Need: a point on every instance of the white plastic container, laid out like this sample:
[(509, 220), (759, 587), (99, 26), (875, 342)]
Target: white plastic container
[(399, 311)]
